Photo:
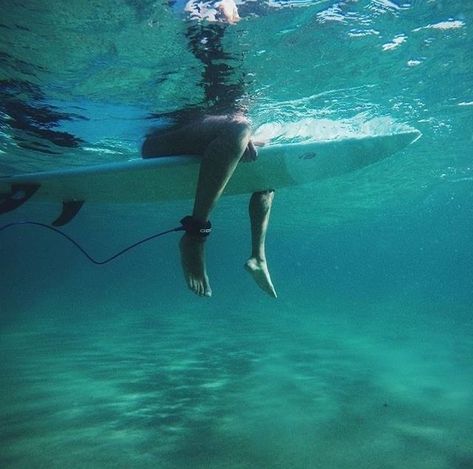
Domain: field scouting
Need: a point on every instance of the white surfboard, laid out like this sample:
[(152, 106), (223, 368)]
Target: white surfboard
[(173, 178)]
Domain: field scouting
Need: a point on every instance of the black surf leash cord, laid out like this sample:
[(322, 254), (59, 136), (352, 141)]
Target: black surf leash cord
[(82, 250)]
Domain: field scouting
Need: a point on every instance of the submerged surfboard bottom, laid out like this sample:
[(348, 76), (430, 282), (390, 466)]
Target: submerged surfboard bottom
[(173, 178)]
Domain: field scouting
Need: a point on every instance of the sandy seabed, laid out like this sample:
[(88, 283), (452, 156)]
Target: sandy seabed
[(240, 390)]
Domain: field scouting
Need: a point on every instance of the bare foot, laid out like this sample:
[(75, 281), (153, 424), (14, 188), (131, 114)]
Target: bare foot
[(260, 273), (193, 264)]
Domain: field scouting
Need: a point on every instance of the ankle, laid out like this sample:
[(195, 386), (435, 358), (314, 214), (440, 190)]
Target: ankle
[(258, 258), (195, 228)]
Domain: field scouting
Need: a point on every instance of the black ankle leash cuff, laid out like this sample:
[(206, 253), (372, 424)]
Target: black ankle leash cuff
[(196, 228)]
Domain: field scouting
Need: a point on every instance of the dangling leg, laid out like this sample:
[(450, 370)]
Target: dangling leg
[(218, 164), (221, 140), (260, 209)]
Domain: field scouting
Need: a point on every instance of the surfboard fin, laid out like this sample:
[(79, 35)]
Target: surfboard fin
[(18, 195), (69, 210)]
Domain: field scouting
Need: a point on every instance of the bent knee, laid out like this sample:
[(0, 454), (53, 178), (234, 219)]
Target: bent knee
[(238, 128)]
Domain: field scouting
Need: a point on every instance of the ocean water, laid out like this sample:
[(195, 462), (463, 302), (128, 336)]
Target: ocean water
[(365, 358)]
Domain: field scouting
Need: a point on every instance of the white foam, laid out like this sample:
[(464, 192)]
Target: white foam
[(396, 42), (387, 4), (443, 25), (311, 130)]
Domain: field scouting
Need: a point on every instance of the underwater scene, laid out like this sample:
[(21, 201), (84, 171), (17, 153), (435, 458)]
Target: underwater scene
[(353, 349)]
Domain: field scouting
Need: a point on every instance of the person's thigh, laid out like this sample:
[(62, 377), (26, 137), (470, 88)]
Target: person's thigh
[(190, 138)]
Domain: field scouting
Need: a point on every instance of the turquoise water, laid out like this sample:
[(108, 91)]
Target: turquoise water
[(364, 360)]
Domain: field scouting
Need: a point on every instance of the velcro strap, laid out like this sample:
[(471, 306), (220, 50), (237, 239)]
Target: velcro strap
[(196, 228)]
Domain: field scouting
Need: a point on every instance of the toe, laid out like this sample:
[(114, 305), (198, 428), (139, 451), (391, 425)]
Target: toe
[(193, 286)]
